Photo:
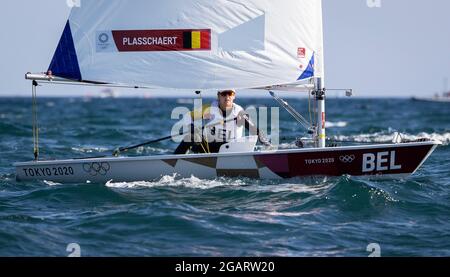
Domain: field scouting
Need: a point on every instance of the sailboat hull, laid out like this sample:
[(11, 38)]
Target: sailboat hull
[(371, 160)]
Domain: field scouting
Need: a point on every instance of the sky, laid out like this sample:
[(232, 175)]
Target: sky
[(379, 48)]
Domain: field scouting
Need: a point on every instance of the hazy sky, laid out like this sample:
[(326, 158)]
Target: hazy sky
[(401, 48)]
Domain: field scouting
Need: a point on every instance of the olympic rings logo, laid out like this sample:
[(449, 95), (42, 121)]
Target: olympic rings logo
[(95, 169), (347, 158), (103, 38)]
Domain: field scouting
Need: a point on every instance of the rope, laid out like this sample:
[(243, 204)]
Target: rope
[(207, 146), (309, 108), (204, 150), (35, 121), (203, 121), (314, 118)]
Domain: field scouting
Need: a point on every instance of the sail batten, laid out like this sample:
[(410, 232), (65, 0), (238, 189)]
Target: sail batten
[(192, 44)]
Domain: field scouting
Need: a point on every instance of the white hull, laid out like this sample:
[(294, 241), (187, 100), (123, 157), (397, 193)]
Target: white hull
[(384, 159)]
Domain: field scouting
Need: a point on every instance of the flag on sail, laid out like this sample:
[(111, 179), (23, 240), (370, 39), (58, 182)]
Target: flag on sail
[(155, 40), (200, 40), (187, 44)]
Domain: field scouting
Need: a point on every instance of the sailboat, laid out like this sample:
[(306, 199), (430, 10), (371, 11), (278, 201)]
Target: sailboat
[(444, 98), (198, 45)]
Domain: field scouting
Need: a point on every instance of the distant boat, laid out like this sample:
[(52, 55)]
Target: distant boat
[(104, 93), (108, 93), (445, 97)]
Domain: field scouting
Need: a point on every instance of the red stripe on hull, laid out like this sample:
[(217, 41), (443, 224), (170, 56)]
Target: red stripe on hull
[(358, 162)]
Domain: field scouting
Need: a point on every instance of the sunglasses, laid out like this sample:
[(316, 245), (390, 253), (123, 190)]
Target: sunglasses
[(227, 93)]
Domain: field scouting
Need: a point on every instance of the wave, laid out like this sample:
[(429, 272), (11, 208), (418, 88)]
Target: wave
[(139, 150), (13, 129), (91, 149), (358, 194), (173, 181), (51, 184), (383, 137), (295, 185)]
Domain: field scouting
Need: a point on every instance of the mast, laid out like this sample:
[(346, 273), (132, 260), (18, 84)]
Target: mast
[(320, 98), (320, 85)]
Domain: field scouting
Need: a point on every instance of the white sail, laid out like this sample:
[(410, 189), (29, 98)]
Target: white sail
[(192, 44)]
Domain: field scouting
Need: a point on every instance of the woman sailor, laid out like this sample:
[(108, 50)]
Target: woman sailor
[(226, 121)]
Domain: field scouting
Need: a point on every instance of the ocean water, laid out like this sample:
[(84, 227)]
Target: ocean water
[(225, 216)]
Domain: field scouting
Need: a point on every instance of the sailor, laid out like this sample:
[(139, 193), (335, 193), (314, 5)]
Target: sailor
[(225, 121)]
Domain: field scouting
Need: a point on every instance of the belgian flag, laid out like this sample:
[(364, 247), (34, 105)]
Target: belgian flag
[(197, 40)]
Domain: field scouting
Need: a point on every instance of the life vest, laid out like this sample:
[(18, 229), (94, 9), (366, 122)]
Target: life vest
[(223, 128)]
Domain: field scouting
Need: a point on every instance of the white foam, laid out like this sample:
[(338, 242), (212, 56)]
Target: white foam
[(173, 181), (301, 187), (139, 150), (383, 137), (50, 183), (88, 149), (149, 149), (339, 124), (288, 214), (311, 186)]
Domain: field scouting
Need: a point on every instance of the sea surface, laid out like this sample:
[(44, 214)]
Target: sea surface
[(341, 216)]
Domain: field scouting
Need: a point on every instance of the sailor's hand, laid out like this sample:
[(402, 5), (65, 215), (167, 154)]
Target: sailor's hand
[(242, 116), (264, 141), (208, 116), (267, 144)]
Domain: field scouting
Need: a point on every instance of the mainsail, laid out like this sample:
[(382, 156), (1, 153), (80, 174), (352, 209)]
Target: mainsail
[(192, 44)]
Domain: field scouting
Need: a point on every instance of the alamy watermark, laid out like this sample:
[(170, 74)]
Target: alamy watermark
[(206, 124), (374, 249), (74, 250), (373, 3), (73, 3)]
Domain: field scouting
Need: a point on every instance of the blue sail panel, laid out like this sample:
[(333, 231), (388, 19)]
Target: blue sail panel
[(309, 71), (65, 62)]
